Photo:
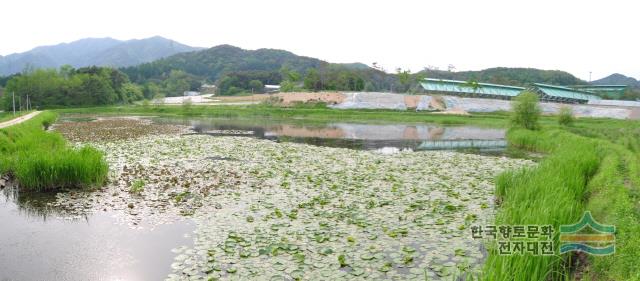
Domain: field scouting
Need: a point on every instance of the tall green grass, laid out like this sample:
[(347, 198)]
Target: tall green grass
[(551, 193), (580, 172), (42, 160)]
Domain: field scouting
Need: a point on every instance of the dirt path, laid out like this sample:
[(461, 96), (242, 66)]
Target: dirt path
[(19, 119)]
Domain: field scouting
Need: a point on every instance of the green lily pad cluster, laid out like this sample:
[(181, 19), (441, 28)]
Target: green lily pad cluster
[(286, 211)]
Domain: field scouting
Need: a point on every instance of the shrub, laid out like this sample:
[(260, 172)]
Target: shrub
[(565, 116), (526, 111)]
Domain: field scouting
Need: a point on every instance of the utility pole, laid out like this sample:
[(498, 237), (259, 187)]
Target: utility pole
[(27, 102), (14, 102)]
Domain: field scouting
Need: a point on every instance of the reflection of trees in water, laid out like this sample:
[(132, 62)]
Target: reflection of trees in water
[(436, 133), (36, 205)]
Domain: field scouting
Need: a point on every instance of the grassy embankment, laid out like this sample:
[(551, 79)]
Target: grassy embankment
[(42, 160), (315, 113), (592, 166)]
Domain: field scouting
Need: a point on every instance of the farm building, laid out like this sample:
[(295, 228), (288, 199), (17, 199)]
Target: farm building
[(608, 91), (549, 93)]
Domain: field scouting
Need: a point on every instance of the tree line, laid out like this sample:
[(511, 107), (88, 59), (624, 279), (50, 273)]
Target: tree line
[(67, 86)]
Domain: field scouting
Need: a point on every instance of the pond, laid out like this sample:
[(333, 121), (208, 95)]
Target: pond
[(352, 135), (253, 200), (42, 242)]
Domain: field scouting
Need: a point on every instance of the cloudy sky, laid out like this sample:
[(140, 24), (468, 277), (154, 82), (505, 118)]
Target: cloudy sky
[(585, 36)]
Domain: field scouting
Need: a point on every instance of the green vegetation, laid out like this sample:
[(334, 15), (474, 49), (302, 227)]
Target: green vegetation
[(42, 160), (526, 111), (565, 116), (70, 87), (137, 186), (591, 166), (317, 112)]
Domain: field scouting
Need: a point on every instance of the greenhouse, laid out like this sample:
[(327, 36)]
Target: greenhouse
[(546, 92)]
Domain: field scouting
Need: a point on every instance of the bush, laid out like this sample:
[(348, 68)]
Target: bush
[(565, 116), (526, 111)]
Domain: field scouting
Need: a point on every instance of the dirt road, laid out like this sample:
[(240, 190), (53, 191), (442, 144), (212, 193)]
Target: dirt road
[(19, 119)]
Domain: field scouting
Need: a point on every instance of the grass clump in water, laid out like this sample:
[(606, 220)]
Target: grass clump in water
[(137, 187), (42, 160)]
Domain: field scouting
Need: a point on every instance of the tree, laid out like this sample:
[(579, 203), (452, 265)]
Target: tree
[(177, 83), (131, 92), (404, 77), (312, 80), (526, 111), (287, 86), (256, 86)]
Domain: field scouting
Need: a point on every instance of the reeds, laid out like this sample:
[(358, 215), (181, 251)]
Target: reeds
[(42, 160), (553, 193)]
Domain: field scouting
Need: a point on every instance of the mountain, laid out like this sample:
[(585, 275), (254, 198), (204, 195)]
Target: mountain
[(93, 51), (509, 76), (617, 79), (214, 62)]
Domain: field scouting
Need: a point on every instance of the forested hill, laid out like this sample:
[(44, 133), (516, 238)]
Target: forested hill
[(618, 79), (509, 76), (214, 62), (93, 51)]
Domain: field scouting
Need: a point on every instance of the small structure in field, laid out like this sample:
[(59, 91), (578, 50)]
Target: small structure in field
[(271, 88)]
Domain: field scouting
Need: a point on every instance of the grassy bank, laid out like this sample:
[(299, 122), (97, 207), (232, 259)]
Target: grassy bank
[(594, 167), (42, 160), (315, 113)]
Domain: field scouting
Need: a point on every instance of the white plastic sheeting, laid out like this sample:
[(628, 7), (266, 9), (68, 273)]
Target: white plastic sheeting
[(615, 103), (372, 101), (459, 104)]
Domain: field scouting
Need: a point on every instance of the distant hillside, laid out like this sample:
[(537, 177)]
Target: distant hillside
[(93, 51), (212, 63), (617, 79), (509, 76)]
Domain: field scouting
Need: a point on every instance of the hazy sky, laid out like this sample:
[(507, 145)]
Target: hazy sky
[(575, 36)]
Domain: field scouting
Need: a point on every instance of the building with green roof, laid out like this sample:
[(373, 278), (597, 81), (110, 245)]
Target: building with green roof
[(605, 91), (550, 93), (470, 89)]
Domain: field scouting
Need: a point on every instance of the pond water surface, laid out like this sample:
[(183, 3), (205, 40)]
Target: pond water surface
[(353, 135), (41, 241)]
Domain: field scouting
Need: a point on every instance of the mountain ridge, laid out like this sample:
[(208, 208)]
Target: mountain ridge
[(104, 51), (618, 79)]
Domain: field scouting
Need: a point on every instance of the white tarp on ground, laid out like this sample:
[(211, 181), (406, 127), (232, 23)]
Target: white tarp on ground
[(194, 99), (372, 101), (615, 103), (425, 104), (459, 104), (475, 105)]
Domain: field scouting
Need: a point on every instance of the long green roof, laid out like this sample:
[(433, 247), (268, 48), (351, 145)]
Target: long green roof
[(550, 92), (565, 93), (454, 86)]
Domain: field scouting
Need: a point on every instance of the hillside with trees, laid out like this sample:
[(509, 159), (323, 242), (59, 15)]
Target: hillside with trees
[(89, 86), (509, 76)]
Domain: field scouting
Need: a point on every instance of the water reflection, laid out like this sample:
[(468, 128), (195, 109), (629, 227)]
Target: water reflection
[(352, 135), (39, 241)]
